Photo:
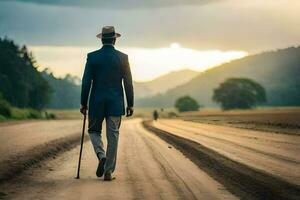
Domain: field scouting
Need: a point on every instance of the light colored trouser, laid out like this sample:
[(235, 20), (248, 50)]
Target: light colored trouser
[(112, 135)]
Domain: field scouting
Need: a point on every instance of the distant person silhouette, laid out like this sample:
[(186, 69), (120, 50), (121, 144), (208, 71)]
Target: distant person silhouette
[(105, 70), (155, 115)]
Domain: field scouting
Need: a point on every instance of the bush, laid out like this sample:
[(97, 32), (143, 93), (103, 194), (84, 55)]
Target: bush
[(2, 118), (34, 114), (172, 114), (186, 103), (5, 108), (50, 115), (18, 113)]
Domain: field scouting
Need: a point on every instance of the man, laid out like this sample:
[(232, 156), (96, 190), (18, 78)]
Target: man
[(104, 72), (155, 115)]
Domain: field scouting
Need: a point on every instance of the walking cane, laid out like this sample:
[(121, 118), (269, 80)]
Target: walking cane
[(82, 138)]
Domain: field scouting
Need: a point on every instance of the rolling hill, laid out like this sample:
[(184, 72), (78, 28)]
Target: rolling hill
[(278, 71), (163, 83)]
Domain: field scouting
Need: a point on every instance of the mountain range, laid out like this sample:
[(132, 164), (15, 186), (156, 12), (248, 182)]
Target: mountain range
[(163, 83), (277, 71)]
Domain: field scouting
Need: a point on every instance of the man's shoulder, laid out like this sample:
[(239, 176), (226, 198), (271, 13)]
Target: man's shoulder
[(93, 53), (97, 52), (124, 55)]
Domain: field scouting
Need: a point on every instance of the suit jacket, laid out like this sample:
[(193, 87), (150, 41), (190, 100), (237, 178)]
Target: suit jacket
[(104, 72)]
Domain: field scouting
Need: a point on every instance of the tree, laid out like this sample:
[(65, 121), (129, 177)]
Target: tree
[(5, 108), (22, 85), (186, 103), (239, 93)]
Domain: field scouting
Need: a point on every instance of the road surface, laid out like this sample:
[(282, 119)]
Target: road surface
[(25, 143), (275, 154), (147, 168), (21, 137)]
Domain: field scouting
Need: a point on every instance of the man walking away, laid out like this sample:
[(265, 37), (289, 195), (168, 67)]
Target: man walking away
[(155, 115), (105, 70)]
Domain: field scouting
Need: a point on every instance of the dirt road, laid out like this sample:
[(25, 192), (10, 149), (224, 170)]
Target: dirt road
[(275, 154), (23, 136), (25, 143), (148, 168)]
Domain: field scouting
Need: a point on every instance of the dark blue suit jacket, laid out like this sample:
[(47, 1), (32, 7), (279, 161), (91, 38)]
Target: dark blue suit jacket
[(104, 72)]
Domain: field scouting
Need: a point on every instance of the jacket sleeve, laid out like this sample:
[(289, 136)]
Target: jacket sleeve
[(86, 83), (127, 80)]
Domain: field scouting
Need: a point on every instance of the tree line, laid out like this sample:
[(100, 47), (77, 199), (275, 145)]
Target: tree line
[(23, 86)]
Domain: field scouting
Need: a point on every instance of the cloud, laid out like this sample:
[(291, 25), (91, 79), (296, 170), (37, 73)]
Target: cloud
[(126, 4), (252, 26)]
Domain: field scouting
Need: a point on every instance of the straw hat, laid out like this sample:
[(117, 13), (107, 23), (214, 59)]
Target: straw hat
[(108, 32)]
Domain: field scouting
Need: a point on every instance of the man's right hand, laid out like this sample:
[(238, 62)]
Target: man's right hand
[(83, 110), (129, 111)]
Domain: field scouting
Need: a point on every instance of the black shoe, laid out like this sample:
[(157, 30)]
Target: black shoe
[(108, 176), (100, 169)]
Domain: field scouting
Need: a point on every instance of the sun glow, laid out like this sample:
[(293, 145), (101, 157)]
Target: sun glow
[(175, 45), (149, 63), (146, 64)]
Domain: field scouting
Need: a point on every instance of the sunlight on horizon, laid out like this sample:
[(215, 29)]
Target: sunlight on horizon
[(146, 64)]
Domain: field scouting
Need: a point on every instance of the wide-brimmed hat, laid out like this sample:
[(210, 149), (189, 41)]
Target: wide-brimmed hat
[(108, 32)]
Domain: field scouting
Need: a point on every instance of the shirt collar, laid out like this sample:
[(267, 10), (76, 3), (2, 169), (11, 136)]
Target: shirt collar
[(108, 46)]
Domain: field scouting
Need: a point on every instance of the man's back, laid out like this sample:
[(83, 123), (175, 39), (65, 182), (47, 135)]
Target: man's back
[(105, 69), (107, 64)]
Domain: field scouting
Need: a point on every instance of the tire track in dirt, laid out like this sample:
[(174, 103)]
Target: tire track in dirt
[(245, 182), (14, 166), (140, 165), (183, 192), (168, 171), (272, 155), (135, 186)]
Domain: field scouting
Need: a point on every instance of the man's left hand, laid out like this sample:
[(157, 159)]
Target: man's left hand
[(129, 111), (83, 110)]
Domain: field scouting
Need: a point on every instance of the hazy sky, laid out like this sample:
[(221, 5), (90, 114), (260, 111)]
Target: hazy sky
[(60, 33)]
